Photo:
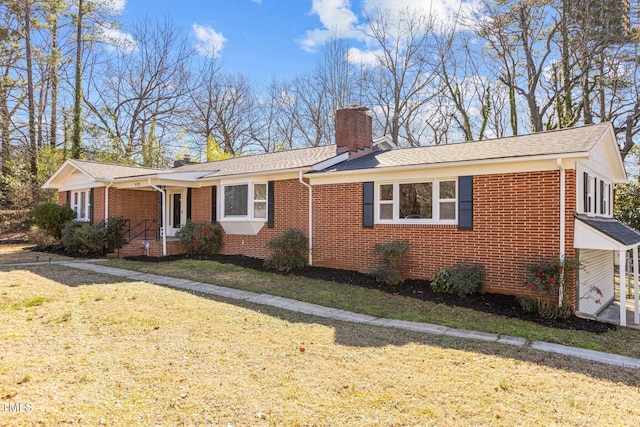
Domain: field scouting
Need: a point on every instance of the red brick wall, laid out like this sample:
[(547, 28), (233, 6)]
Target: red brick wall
[(62, 198), (201, 204), (98, 204), (516, 220), (290, 211), (134, 205)]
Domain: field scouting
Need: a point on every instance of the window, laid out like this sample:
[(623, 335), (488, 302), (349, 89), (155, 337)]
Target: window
[(596, 195), (260, 201), (428, 201), (80, 204), (245, 201)]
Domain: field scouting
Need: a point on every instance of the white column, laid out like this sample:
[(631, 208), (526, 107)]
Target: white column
[(623, 296), (636, 316)]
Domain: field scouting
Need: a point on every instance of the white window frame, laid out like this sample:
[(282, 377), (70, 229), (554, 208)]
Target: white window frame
[(435, 202), (76, 204), (251, 202), (592, 207)]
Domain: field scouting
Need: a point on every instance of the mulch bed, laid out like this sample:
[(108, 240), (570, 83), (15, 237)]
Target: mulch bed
[(503, 305)]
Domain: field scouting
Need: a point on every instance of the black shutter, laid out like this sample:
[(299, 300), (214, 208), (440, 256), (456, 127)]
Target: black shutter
[(367, 204), (602, 197), (68, 204), (270, 204), (91, 206), (189, 204), (465, 203), (214, 203), (585, 189)]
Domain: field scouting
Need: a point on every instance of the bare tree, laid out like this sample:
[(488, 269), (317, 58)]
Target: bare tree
[(143, 84), (401, 83)]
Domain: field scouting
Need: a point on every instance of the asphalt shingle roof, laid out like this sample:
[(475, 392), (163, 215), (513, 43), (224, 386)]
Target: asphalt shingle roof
[(259, 163), (613, 228), (574, 140), (107, 170)]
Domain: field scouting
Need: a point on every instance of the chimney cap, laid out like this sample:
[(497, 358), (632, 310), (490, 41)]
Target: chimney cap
[(356, 107)]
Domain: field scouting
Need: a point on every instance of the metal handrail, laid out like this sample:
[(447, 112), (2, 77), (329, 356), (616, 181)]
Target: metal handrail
[(146, 228)]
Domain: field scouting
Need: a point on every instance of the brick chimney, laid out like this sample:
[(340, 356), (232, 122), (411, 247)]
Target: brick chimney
[(354, 133)]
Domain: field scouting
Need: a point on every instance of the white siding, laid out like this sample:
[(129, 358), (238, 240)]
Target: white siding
[(596, 272)]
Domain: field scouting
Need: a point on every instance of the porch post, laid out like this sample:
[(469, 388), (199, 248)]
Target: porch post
[(636, 315), (623, 296)]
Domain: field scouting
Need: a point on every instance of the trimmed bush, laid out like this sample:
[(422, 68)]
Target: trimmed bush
[(198, 238), (288, 251), (467, 278), (388, 255), (51, 218), (462, 279), (440, 280), (81, 238)]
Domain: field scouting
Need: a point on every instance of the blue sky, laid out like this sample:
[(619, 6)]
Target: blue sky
[(270, 38), (258, 39)]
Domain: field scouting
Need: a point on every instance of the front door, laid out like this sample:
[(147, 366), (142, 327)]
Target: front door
[(176, 211)]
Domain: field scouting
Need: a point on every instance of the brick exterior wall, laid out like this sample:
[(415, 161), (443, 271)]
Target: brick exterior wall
[(516, 220), (290, 211), (201, 204)]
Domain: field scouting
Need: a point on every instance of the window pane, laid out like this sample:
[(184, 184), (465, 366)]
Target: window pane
[(386, 192), (260, 209), (260, 192), (386, 211), (416, 200), (83, 205), (235, 200), (448, 210), (448, 190)]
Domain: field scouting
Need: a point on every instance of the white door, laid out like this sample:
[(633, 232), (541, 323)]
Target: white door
[(176, 210)]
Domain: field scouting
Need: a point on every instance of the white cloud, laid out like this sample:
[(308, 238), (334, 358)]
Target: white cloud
[(116, 6), (117, 40), (210, 41), (336, 17), (257, 1), (440, 9), (367, 57)]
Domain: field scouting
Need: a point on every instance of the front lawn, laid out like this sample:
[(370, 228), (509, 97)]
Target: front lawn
[(81, 348), (381, 304)]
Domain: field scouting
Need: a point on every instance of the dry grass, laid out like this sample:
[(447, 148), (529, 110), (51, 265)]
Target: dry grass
[(85, 350), (23, 252)]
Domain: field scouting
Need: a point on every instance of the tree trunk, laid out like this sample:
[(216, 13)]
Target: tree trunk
[(33, 146), (76, 142)]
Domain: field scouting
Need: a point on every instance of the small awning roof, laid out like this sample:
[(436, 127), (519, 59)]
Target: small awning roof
[(604, 233)]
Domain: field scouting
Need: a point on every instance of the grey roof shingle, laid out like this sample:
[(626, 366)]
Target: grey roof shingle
[(260, 163), (107, 170), (574, 140), (613, 228)]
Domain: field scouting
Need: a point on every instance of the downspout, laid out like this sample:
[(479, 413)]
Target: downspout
[(106, 203), (164, 216), (310, 217), (562, 227)]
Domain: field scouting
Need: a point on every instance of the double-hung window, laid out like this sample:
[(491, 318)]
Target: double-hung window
[(596, 197), (417, 202), (80, 204), (246, 201)]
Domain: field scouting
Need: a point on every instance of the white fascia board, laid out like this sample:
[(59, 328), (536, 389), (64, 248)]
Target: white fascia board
[(274, 175), (330, 162), (467, 167), (182, 176), (612, 148), (587, 237), (64, 168)]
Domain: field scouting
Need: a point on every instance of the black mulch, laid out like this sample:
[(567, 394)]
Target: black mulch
[(504, 305)]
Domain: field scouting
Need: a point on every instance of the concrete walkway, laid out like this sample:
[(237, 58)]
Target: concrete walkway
[(346, 316)]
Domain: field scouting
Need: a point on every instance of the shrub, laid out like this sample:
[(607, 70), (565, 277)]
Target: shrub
[(545, 278), (288, 251), (462, 279), (388, 255), (41, 239), (81, 238), (51, 218), (440, 280), (199, 238), (466, 278)]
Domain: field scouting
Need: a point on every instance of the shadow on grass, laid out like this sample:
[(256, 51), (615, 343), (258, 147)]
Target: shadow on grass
[(363, 335)]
